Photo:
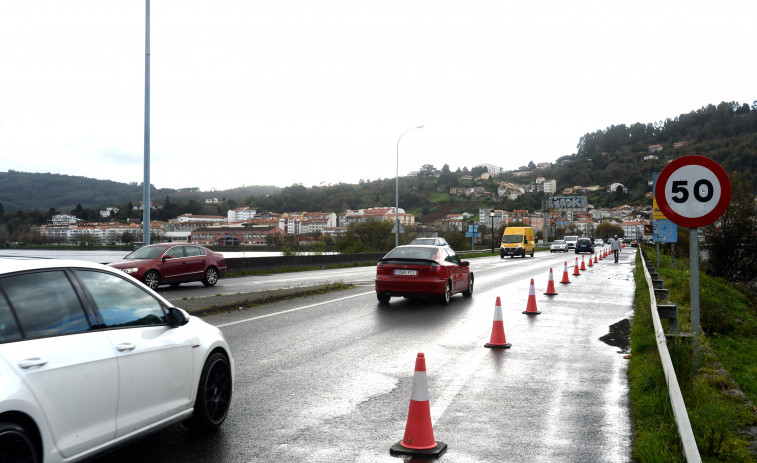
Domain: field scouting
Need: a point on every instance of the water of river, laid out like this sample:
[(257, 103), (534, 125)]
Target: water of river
[(102, 257)]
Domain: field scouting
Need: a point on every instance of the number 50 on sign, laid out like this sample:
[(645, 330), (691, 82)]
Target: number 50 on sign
[(693, 191)]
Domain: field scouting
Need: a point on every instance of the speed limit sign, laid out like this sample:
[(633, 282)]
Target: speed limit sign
[(693, 191)]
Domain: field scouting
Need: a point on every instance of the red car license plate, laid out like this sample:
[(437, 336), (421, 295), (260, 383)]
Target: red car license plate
[(405, 272)]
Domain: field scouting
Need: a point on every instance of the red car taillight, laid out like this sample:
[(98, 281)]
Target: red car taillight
[(380, 269), (435, 269)]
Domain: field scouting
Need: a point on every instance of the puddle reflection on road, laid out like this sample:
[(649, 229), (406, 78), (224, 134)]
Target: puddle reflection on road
[(619, 336)]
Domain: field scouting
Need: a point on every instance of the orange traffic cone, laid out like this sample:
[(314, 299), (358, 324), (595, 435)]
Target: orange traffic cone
[(590, 264), (595, 258), (531, 306), (601, 254), (419, 434), (498, 329), (576, 273), (565, 279), (583, 266), (551, 286)]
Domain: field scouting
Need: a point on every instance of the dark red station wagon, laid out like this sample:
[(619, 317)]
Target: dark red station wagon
[(173, 264)]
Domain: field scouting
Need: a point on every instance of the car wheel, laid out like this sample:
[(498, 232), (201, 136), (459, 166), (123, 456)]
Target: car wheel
[(152, 279), (383, 298), (447, 294), (532, 253), (211, 276), (16, 444), (213, 395), (469, 292)]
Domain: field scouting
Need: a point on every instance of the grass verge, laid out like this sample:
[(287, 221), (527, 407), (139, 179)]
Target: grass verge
[(720, 413)]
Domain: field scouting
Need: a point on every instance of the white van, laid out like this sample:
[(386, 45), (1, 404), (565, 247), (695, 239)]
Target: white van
[(571, 240)]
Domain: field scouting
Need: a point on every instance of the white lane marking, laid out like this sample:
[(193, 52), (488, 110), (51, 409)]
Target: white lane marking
[(292, 310), (464, 369)]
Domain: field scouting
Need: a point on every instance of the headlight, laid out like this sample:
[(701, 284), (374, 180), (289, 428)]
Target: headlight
[(520, 246), (130, 270)]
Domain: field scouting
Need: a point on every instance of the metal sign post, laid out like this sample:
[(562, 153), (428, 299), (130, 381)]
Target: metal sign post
[(693, 191), (473, 234)]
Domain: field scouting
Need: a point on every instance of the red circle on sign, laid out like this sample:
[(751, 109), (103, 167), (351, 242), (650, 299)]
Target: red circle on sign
[(706, 219)]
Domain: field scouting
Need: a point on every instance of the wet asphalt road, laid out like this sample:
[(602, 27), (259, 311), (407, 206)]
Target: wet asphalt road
[(328, 378)]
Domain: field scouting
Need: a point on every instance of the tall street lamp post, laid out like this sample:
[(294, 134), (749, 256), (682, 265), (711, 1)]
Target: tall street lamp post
[(491, 214), (397, 191)]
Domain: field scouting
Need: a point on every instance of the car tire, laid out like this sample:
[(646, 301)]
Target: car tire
[(469, 292), (16, 444), (383, 298), (211, 277), (152, 279), (532, 252), (447, 294), (213, 395)]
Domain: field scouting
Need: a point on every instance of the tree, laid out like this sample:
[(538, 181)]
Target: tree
[(607, 230), (127, 237), (730, 241), (457, 240), (370, 235), (427, 171)]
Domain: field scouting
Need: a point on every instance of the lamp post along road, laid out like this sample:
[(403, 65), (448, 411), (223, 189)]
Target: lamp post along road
[(491, 214), (397, 190)]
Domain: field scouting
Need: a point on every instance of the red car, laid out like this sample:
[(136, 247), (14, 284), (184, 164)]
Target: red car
[(173, 264), (418, 271)]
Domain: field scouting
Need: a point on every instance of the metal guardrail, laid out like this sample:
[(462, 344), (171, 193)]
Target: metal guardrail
[(690, 450)]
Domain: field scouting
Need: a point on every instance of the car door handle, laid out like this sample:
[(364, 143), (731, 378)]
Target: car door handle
[(32, 362), (125, 347)]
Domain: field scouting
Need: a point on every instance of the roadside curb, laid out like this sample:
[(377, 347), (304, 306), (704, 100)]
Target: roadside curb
[(225, 302)]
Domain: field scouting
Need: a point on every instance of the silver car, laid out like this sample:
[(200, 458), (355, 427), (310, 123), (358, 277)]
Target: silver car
[(558, 246), (90, 358)]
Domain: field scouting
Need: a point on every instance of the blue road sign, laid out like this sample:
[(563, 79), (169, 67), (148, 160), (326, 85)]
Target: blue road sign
[(665, 231)]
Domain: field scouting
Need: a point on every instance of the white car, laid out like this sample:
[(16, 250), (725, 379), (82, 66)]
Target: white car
[(599, 242), (90, 359), (558, 246)]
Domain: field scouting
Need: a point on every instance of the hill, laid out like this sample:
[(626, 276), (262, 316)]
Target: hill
[(622, 154), (25, 191)]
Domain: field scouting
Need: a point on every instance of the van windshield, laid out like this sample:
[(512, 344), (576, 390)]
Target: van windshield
[(509, 239)]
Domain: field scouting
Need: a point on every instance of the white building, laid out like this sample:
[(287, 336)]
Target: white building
[(550, 186), (493, 170), (59, 219), (240, 214)]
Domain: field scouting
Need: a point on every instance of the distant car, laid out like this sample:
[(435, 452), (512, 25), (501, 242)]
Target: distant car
[(571, 240), (422, 271), (599, 242), (584, 245), (173, 264), (558, 246), (91, 359), (635, 243), (435, 241)]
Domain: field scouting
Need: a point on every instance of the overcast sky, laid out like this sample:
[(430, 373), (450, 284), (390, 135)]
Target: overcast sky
[(277, 92)]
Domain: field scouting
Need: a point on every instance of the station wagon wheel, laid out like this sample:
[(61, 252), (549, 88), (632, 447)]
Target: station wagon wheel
[(213, 395), (447, 294), (152, 279), (16, 444), (211, 276), (469, 291)]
